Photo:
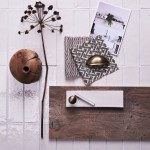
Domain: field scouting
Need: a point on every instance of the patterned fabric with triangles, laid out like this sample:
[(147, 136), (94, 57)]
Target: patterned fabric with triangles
[(90, 48)]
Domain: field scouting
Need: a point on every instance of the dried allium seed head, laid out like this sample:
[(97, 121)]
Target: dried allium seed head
[(26, 32), (61, 30), (32, 26), (53, 19), (56, 13), (21, 19), (30, 7), (50, 7), (33, 11), (25, 12), (45, 12), (39, 31), (58, 18)]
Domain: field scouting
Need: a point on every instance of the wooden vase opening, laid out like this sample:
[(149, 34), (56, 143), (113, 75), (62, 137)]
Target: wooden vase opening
[(26, 66)]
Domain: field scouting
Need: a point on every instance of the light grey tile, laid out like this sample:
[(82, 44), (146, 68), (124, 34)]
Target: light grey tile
[(112, 145), (134, 4), (15, 3), (145, 76), (3, 93), (31, 136), (64, 144), (82, 144), (144, 37), (81, 23), (115, 2), (82, 3), (3, 137), (15, 99), (131, 76), (132, 41), (4, 30), (46, 143), (97, 145), (145, 145), (65, 3), (144, 4), (130, 145), (15, 136), (31, 102)]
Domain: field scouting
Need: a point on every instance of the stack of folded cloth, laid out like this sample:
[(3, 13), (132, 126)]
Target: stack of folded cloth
[(78, 50)]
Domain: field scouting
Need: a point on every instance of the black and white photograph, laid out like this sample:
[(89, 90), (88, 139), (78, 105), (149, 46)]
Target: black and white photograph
[(110, 22)]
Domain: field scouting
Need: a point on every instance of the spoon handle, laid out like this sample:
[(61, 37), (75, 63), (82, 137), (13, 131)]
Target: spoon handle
[(84, 99)]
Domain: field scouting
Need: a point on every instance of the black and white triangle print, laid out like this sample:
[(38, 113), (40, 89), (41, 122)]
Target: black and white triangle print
[(90, 48)]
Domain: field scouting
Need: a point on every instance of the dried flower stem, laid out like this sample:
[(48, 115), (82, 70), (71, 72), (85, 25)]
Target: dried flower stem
[(37, 16), (45, 84)]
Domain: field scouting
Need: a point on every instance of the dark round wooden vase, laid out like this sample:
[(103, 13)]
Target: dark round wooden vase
[(26, 66)]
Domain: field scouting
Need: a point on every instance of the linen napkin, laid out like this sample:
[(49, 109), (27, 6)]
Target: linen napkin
[(71, 71), (90, 48)]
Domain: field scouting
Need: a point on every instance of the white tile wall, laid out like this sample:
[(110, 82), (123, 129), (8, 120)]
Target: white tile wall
[(20, 104)]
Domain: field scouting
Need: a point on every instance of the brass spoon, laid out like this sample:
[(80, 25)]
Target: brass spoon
[(97, 61)]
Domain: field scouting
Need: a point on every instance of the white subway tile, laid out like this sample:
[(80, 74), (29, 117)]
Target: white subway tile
[(94, 3), (92, 16), (15, 42), (46, 2), (131, 41), (82, 3), (4, 4), (31, 102), (144, 4), (131, 76), (15, 136), (51, 82), (134, 4), (65, 3), (15, 3), (81, 23), (120, 59), (50, 46), (130, 145), (145, 145), (67, 22), (115, 2), (46, 143), (96, 145), (145, 76), (31, 136), (15, 99), (3, 137), (115, 79), (144, 37), (3, 93), (111, 145), (3, 36), (64, 145), (82, 144)]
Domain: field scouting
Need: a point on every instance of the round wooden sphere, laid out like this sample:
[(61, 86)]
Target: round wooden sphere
[(26, 66)]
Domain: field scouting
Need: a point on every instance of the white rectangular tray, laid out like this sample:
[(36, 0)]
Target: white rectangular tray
[(98, 98)]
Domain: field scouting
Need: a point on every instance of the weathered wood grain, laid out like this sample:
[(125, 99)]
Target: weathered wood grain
[(130, 123)]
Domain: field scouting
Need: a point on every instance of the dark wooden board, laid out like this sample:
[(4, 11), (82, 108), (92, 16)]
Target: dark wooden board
[(130, 123)]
